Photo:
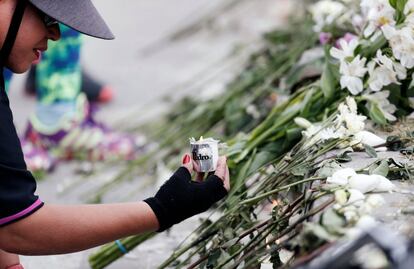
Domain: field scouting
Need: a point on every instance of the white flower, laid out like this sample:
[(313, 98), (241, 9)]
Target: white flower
[(378, 13), (349, 118), (409, 7), (354, 123), (341, 197), (363, 183), (253, 111), (325, 12), (402, 44), (366, 222), (409, 13), (341, 177), (370, 183), (352, 74), (369, 138), (302, 122), (346, 49), (356, 197), (352, 105), (311, 131), (384, 184), (375, 200), (384, 71), (351, 214), (381, 99)]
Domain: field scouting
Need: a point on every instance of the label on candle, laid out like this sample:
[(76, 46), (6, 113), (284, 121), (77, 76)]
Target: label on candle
[(205, 154)]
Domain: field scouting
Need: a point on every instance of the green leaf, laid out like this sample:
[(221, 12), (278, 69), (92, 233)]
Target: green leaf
[(370, 151), (260, 159), (343, 157), (328, 81), (293, 134), (328, 169), (400, 5), (393, 3), (376, 114), (382, 169)]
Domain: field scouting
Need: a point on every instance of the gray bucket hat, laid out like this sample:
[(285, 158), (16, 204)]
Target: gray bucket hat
[(80, 15)]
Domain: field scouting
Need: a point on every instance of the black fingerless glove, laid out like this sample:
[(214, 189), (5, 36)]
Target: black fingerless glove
[(180, 197)]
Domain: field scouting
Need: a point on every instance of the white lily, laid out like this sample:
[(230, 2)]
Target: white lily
[(346, 49), (352, 74), (378, 13), (409, 7), (409, 13), (325, 12), (383, 71), (402, 44), (349, 118), (329, 133), (381, 99)]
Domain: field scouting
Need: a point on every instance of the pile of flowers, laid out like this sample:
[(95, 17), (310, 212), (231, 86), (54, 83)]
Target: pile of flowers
[(281, 117)]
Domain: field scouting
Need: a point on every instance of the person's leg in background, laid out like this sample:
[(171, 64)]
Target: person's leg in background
[(58, 77), (63, 122)]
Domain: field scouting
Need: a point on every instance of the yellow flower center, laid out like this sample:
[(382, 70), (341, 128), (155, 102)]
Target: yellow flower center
[(383, 21)]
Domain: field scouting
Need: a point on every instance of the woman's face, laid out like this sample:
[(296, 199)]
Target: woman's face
[(31, 38)]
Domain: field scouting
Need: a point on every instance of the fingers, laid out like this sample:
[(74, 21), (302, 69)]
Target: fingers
[(227, 179), (221, 167), (200, 176), (187, 162), (222, 171)]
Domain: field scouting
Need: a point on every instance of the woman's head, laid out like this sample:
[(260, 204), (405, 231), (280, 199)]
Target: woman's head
[(31, 38), (34, 31)]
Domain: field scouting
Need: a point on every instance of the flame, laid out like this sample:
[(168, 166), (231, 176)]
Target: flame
[(275, 203)]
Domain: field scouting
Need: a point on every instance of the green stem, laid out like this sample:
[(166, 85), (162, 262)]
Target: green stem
[(266, 194)]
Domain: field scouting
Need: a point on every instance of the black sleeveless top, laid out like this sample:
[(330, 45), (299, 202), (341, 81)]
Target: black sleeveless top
[(17, 184)]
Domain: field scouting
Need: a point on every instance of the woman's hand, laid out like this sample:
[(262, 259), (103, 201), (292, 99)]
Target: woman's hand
[(180, 197)]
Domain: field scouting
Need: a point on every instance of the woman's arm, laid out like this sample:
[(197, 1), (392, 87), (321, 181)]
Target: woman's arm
[(8, 259), (56, 229)]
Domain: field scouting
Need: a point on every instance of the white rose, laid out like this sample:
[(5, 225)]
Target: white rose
[(341, 177), (363, 183), (355, 197)]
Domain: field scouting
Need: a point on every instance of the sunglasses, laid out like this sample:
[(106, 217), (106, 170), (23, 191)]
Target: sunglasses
[(47, 20)]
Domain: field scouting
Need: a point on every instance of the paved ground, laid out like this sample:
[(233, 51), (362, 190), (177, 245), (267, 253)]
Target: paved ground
[(151, 59)]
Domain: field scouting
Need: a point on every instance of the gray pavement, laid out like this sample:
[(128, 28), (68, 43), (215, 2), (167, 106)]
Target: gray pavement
[(146, 63)]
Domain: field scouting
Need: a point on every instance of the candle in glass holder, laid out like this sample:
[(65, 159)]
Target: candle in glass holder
[(205, 154)]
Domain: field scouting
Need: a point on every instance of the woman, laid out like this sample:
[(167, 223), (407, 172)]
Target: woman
[(28, 226)]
